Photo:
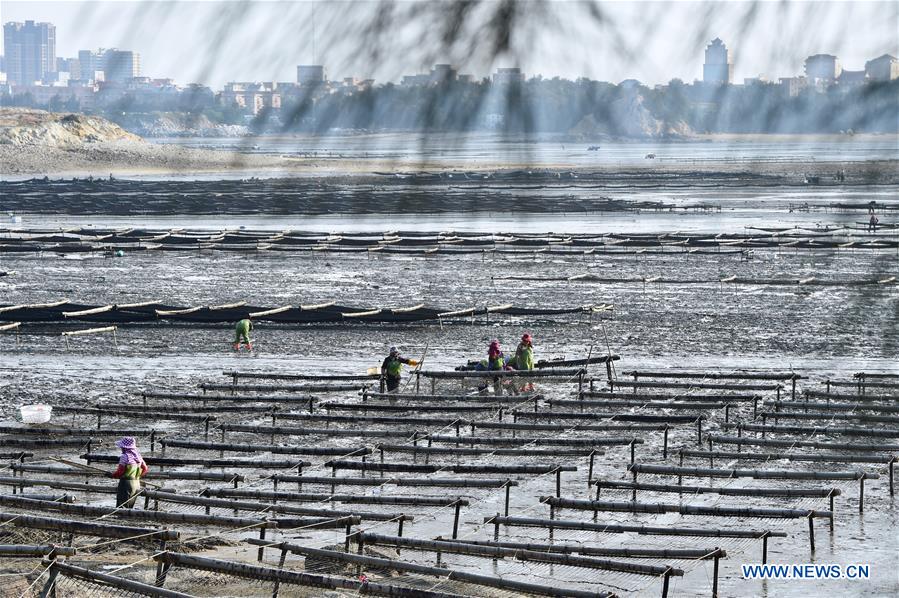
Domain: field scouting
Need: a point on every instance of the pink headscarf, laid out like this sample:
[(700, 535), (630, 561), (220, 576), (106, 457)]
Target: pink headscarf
[(130, 454)]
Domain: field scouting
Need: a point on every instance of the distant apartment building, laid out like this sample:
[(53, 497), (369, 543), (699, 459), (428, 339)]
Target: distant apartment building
[(29, 50), (116, 66), (310, 74), (793, 86), (760, 80), (415, 80), (72, 66), (443, 73), (251, 98), (718, 68), (439, 73), (56, 95), (350, 85), (822, 69), (508, 76), (883, 68), (852, 78), (121, 65)]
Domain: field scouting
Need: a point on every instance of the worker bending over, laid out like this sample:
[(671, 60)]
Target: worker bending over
[(242, 333)]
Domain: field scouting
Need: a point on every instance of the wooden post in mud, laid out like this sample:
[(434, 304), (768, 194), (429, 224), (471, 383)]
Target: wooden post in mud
[(665, 582), (811, 531), (861, 492), (508, 486), (458, 509), (665, 443), (715, 573), (890, 466)]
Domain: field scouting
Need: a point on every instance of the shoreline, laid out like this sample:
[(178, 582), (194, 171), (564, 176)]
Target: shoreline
[(446, 153)]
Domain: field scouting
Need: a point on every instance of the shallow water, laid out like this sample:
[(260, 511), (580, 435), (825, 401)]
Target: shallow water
[(408, 148)]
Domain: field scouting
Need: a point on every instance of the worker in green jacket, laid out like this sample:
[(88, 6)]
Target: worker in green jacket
[(392, 368), (524, 354), (242, 333), (524, 360)]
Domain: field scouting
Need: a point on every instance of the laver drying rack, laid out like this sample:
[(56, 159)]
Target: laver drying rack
[(473, 504), (426, 243), (151, 311)]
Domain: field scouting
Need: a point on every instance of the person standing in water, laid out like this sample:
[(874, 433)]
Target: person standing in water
[(242, 333), (131, 469)]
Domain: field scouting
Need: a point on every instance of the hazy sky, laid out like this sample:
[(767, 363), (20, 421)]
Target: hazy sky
[(216, 41)]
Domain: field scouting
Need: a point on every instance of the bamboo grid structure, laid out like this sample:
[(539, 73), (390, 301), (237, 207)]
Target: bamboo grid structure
[(385, 486)]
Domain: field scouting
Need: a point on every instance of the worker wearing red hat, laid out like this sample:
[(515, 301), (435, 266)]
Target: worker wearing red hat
[(524, 354)]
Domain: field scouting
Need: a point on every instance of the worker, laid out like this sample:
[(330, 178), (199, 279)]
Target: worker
[(524, 359), (242, 333), (496, 361), (392, 369), (872, 223), (495, 358), (524, 354), (131, 469)]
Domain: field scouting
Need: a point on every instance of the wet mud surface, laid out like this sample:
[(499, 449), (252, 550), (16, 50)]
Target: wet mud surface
[(822, 332)]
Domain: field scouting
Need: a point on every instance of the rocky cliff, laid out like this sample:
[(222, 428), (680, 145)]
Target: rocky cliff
[(629, 118)]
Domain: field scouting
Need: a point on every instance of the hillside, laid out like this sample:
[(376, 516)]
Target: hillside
[(19, 126)]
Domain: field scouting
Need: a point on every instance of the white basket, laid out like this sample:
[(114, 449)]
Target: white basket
[(35, 414)]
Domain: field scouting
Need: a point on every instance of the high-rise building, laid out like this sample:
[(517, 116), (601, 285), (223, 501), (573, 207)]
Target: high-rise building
[(718, 68), (443, 73), (115, 65), (793, 86), (30, 51), (882, 68), (69, 65), (507, 76), (310, 74), (89, 64), (822, 69), (121, 65)]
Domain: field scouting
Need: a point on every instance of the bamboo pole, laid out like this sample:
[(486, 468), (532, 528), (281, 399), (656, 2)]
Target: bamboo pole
[(722, 490), (344, 498), (636, 529), (294, 577), (683, 509), (114, 581), (236, 374), (454, 547), (46, 550), (483, 580), (269, 448), (770, 474), (397, 481), (248, 388), (212, 463), (83, 528)]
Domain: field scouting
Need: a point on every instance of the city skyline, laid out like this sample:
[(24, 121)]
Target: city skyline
[(282, 65)]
